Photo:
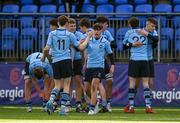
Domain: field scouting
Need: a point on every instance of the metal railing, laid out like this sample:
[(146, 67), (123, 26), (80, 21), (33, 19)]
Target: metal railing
[(22, 35)]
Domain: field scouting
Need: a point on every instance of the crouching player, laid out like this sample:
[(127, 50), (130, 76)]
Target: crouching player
[(34, 71)]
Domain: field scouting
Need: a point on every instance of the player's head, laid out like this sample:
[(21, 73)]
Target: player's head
[(63, 21), (104, 21), (84, 24), (151, 24), (38, 72), (53, 24), (97, 30), (133, 22), (72, 25)]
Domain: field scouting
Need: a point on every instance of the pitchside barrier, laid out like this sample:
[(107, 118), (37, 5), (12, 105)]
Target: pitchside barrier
[(25, 33), (166, 90)]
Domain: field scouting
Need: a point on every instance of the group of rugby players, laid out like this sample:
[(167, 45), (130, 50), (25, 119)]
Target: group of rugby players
[(86, 58)]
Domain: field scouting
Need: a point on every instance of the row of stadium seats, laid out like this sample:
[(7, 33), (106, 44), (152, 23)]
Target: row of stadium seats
[(28, 36), (88, 8), (99, 2)]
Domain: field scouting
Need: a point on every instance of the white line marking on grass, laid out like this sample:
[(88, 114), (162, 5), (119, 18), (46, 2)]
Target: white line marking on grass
[(77, 121)]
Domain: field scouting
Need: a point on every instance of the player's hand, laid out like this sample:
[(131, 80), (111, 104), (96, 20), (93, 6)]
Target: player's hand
[(142, 32), (90, 34), (137, 44), (112, 69)]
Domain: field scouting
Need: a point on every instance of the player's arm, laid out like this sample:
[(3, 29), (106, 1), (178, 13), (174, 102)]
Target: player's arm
[(37, 87), (47, 47), (83, 45)]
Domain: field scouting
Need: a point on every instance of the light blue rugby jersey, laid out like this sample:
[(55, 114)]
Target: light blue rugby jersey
[(96, 50), (150, 49), (137, 53), (79, 36), (60, 40), (107, 35), (34, 61)]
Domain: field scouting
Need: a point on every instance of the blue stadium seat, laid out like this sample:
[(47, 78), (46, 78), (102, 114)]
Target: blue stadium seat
[(61, 9), (45, 1), (102, 1), (119, 37), (163, 8), (26, 44), (8, 44), (143, 8), (112, 31), (60, 1), (29, 9), (26, 22), (46, 23), (27, 2), (166, 37), (29, 33), (121, 1), (108, 8), (140, 1), (175, 2), (177, 40), (10, 33), (87, 8), (87, 2), (47, 9), (10, 8), (127, 8), (40, 38), (176, 19), (9, 37)]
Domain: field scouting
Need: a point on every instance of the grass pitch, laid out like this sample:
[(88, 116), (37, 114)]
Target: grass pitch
[(18, 114)]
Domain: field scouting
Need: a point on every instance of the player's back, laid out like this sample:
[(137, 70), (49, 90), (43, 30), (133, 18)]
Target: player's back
[(107, 35), (79, 36), (61, 40), (137, 53)]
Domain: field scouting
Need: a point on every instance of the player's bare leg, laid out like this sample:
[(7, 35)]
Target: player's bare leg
[(27, 89)]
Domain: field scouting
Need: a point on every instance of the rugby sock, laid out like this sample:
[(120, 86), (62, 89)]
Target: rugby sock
[(29, 103), (92, 107), (147, 97), (78, 103), (65, 99), (44, 102), (109, 100), (54, 94), (131, 95), (104, 103), (88, 105)]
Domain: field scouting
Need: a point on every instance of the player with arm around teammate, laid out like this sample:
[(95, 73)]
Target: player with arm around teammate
[(96, 47), (138, 65), (59, 41)]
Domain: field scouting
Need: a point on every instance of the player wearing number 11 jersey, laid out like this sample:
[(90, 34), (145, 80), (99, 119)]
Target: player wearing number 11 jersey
[(60, 41)]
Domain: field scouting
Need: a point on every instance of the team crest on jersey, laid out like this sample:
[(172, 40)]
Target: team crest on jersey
[(100, 46)]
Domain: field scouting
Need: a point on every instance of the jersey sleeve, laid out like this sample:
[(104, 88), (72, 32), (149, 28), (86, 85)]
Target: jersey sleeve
[(28, 58), (49, 40), (110, 37), (74, 40), (155, 33), (126, 38), (108, 48)]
